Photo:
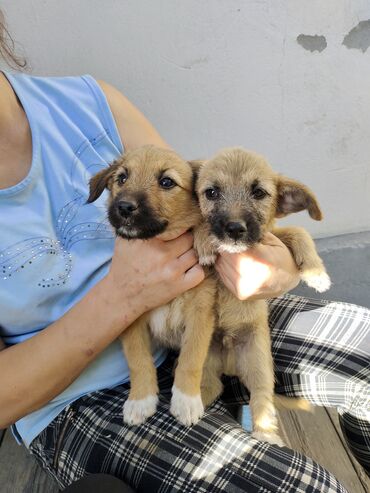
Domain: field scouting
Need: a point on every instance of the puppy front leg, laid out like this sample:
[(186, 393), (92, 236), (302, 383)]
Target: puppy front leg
[(310, 265), (211, 386), (205, 251), (255, 370), (143, 398), (186, 402)]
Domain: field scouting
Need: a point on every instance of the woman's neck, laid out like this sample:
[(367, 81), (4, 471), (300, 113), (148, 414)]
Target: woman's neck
[(15, 137), (10, 111)]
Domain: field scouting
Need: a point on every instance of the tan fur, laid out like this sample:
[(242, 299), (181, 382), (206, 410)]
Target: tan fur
[(187, 323), (241, 344), (144, 165)]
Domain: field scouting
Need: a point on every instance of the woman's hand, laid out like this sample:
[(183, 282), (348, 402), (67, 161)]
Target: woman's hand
[(264, 271), (149, 273)]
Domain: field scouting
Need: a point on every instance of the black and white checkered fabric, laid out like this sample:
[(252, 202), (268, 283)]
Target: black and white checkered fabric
[(321, 352)]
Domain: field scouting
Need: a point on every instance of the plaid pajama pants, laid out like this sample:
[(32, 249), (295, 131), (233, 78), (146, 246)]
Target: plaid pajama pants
[(321, 351)]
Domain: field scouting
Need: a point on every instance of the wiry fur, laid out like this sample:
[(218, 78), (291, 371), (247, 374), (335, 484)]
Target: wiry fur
[(187, 322), (241, 344)]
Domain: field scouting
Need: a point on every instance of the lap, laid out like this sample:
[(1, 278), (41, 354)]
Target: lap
[(321, 351), (162, 455)]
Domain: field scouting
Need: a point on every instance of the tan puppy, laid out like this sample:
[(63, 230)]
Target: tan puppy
[(240, 196), (152, 193)]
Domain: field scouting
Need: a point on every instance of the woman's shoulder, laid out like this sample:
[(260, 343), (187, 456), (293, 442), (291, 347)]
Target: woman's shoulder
[(70, 91), (77, 99)]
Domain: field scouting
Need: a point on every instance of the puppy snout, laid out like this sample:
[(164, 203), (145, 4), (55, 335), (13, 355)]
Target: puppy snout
[(235, 230), (126, 208)]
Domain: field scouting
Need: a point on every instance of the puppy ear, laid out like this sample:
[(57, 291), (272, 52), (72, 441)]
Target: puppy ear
[(294, 197), (99, 182), (195, 165)]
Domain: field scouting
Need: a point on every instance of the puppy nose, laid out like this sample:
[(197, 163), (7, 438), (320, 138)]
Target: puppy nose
[(235, 230), (126, 208)]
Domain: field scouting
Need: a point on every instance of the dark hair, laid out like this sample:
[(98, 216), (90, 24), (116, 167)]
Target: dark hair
[(7, 46)]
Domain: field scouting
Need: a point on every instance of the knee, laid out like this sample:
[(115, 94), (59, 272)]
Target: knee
[(313, 477), (294, 472), (246, 464)]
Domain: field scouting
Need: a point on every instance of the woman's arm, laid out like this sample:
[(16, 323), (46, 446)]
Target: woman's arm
[(143, 275), (35, 371), (135, 130)]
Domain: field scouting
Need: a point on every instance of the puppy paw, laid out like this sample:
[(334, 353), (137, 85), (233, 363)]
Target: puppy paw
[(207, 259), (186, 408), (272, 438), (135, 412), (317, 279)]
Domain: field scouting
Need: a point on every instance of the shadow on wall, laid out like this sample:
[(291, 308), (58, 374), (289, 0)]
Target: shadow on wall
[(347, 259)]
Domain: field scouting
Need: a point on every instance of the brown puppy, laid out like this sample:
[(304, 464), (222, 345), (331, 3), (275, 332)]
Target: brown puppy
[(240, 196), (151, 193)]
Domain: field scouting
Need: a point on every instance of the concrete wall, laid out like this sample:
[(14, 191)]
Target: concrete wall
[(288, 79)]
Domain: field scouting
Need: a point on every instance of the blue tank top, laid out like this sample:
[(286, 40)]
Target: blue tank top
[(53, 246)]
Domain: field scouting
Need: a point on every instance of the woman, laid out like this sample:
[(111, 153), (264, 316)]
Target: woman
[(68, 290)]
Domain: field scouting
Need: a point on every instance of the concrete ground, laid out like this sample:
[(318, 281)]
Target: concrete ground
[(347, 259)]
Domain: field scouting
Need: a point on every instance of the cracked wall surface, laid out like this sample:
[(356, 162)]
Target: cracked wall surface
[(288, 79)]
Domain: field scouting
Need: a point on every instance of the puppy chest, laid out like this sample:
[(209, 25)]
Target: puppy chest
[(235, 316), (167, 324)]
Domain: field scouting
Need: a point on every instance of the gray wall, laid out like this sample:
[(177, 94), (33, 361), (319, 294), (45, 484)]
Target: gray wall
[(230, 72)]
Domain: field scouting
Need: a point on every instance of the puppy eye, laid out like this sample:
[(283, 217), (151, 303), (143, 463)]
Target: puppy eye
[(259, 193), (121, 178), (212, 193), (167, 182)]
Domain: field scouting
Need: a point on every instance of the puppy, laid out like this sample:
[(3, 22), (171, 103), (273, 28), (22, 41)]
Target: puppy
[(240, 197), (151, 193)]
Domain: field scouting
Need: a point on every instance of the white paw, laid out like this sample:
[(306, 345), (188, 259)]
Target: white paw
[(135, 412), (207, 259), (186, 408), (316, 279), (272, 438)]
